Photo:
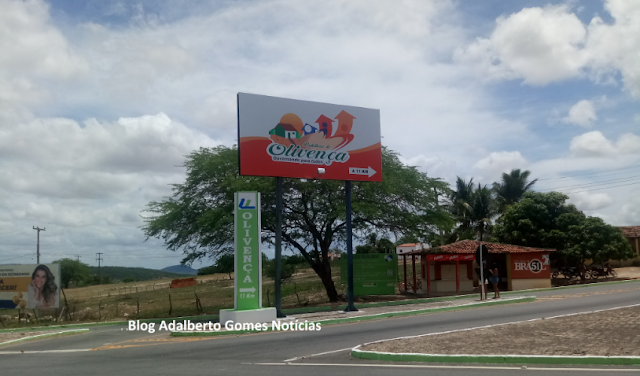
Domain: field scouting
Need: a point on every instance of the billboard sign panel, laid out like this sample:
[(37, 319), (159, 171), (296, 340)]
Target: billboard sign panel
[(30, 286), (248, 260), (301, 139), (373, 274)]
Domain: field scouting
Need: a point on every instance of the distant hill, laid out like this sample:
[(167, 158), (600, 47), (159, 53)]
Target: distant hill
[(180, 269), (119, 273)]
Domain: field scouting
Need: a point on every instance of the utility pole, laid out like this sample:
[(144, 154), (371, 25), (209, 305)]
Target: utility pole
[(38, 249), (99, 258), (77, 257)]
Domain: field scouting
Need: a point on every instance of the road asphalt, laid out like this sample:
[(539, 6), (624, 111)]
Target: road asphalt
[(110, 350)]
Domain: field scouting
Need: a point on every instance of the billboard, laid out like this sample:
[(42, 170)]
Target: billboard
[(301, 139), (30, 286), (373, 274)]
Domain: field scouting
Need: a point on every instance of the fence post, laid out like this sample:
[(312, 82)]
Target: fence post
[(170, 306)]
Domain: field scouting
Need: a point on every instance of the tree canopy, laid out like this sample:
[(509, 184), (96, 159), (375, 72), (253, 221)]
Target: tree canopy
[(73, 271), (198, 218), (545, 220), (376, 245), (513, 186), (224, 264), (473, 207)]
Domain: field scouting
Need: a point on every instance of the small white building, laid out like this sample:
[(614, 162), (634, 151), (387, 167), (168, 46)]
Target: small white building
[(410, 247)]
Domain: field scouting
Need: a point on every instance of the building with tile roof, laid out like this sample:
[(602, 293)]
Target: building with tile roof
[(452, 267)]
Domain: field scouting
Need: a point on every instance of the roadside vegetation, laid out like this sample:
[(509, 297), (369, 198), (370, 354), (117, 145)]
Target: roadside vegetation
[(406, 207)]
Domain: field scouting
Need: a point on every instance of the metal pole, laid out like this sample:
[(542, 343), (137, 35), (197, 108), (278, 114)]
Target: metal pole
[(38, 246), (278, 257), (350, 306), (481, 274)]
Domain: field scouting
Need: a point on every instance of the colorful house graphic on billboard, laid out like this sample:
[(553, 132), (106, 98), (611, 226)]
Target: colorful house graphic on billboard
[(285, 130)]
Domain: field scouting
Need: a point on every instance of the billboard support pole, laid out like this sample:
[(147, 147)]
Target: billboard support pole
[(278, 257), (350, 306)]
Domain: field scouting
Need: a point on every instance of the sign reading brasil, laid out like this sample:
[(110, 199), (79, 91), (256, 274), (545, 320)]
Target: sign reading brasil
[(300, 139), (373, 274), (30, 286), (248, 260)]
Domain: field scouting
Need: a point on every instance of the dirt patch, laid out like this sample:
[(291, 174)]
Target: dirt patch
[(608, 333)]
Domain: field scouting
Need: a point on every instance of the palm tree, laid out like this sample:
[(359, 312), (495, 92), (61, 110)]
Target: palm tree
[(474, 208), (458, 200), (482, 209), (513, 186)]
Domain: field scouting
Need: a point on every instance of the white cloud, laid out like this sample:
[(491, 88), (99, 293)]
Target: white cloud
[(614, 47), (590, 201), (434, 167), (595, 144), (539, 45), (630, 213), (582, 113), (491, 167), (30, 43), (544, 45)]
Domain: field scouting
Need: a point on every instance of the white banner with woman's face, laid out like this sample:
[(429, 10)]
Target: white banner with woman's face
[(30, 286)]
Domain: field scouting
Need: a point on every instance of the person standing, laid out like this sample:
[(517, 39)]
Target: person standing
[(495, 279)]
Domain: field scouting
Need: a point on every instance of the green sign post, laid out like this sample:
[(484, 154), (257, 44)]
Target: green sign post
[(373, 274), (248, 268), (248, 264)]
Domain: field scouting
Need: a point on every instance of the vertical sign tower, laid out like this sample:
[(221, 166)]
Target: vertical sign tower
[(247, 263)]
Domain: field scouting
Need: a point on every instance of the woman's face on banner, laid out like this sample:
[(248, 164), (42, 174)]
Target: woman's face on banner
[(40, 278)]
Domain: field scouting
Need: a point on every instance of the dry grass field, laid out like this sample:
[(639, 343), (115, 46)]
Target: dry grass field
[(154, 299)]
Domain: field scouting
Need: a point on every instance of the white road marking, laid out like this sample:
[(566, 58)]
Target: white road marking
[(42, 351), (452, 367), (318, 354)]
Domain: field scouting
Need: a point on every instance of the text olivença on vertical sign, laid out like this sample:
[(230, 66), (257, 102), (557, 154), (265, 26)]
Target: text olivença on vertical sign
[(248, 260)]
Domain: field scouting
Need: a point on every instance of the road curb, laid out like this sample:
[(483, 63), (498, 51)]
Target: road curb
[(378, 316), (75, 331), (519, 359)]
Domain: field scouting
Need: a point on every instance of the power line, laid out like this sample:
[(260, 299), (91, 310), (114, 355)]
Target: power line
[(597, 183), (588, 173), (599, 189)]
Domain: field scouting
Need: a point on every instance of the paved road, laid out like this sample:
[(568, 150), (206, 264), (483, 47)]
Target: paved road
[(110, 350)]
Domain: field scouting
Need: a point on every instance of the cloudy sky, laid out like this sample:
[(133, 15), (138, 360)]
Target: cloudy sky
[(100, 100)]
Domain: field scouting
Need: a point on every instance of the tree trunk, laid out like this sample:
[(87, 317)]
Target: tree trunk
[(325, 277)]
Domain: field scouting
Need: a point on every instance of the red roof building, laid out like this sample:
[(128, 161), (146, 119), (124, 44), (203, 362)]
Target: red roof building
[(452, 267)]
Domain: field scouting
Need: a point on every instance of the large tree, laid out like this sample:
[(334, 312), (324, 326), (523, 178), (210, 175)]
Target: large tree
[(512, 187), (198, 218), (73, 271), (545, 220)]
